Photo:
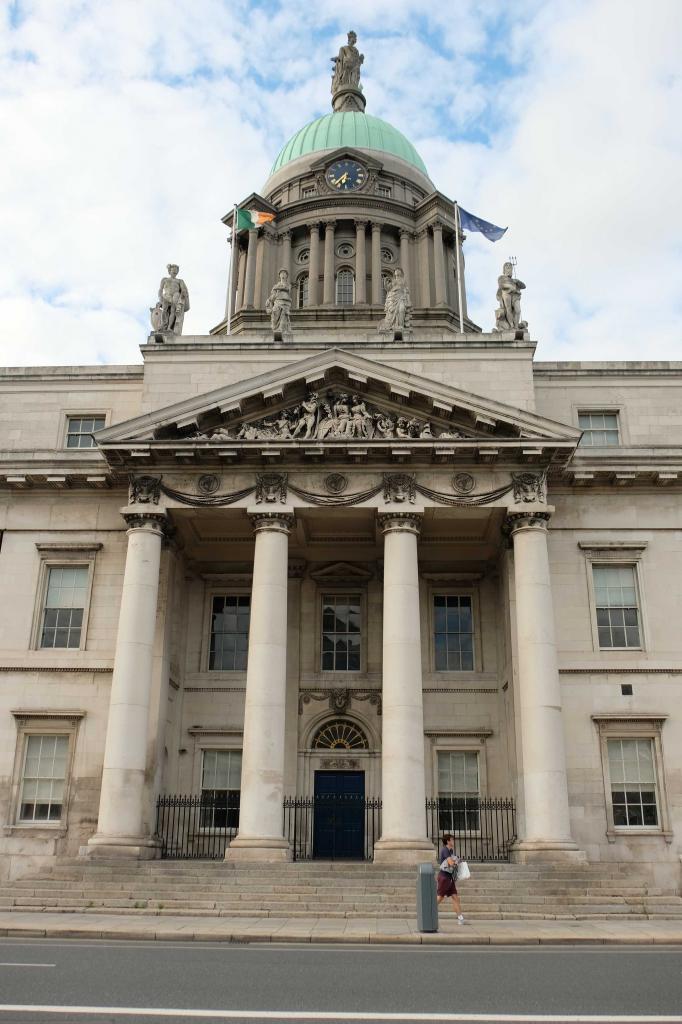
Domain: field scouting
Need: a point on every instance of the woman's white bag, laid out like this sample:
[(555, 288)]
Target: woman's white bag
[(463, 871)]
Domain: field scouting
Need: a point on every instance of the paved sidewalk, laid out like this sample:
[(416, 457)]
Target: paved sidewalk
[(370, 930)]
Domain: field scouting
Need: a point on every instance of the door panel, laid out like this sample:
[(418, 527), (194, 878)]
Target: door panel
[(339, 827)]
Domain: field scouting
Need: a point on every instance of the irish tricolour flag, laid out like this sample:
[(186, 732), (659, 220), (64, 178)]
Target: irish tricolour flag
[(252, 219)]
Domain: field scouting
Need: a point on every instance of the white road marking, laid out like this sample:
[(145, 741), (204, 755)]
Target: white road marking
[(12, 963), (327, 1015)]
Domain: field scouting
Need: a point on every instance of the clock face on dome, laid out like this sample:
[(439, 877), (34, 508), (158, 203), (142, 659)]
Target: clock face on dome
[(346, 175)]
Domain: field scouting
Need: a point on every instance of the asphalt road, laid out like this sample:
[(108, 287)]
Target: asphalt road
[(83, 981)]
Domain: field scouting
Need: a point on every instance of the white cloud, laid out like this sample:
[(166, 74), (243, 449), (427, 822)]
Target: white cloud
[(133, 128)]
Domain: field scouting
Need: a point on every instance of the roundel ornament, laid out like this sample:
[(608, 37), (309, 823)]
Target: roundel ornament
[(346, 176)]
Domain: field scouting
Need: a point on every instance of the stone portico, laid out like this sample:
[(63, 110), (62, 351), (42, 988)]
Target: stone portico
[(348, 539)]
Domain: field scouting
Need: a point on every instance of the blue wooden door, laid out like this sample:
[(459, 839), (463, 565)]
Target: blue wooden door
[(339, 826)]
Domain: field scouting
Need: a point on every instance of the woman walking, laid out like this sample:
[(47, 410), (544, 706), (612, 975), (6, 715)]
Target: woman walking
[(447, 876)]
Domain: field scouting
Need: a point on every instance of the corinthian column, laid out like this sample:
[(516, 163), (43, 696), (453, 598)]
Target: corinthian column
[(314, 266), (250, 285), (360, 263), (405, 237), (328, 295), (439, 264), (547, 829), (260, 835), (376, 264), (121, 829), (403, 833), (285, 263)]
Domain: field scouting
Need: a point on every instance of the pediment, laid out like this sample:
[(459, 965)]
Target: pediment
[(341, 572), (332, 398), (346, 153)]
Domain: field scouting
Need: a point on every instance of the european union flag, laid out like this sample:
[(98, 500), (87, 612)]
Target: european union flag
[(471, 223)]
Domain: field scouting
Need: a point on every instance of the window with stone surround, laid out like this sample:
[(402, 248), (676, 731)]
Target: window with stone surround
[(229, 646), (221, 772), (64, 608), (453, 633), (345, 287), (79, 430), (600, 429), (633, 782), (634, 777), (617, 606), (43, 778), (341, 633), (458, 790)]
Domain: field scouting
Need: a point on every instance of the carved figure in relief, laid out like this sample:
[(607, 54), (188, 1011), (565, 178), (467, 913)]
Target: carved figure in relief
[(307, 413), (397, 307), (346, 74), (384, 425), (173, 302), (341, 410), (508, 313), (278, 305), (361, 421)]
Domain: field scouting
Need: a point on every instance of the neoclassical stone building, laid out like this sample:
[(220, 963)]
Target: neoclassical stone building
[(380, 560)]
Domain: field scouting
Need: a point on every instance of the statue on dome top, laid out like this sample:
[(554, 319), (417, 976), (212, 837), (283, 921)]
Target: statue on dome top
[(346, 87), (397, 307), (508, 313), (173, 303), (278, 305)]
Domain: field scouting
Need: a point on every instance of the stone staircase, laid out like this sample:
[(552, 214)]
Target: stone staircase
[(337, 890)]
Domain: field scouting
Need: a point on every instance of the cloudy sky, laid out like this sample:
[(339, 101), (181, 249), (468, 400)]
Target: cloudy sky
[(130, 127)]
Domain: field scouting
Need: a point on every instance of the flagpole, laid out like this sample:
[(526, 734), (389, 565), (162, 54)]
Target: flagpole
[(459, 274), (230, 287)]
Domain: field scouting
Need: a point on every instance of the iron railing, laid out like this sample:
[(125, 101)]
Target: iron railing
[(335, 826), (483, 828), (332, 826), (197, 826)]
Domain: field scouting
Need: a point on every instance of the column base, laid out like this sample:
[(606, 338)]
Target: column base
[(258, 849), (403, 851), (532, 851), (102, 847)]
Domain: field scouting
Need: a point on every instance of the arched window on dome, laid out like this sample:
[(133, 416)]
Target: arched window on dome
[(345, 287), (302, 291)]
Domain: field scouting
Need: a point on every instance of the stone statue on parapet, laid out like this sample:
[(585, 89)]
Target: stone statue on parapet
[(169, 312), (346, 87), (508, 313), (278, 305), (397, 308)]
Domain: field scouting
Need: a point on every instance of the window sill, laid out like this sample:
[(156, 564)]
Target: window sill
[(41, 831), (633, 831)]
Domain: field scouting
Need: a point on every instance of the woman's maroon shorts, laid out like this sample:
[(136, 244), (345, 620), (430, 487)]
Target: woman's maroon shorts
[(446, 884)]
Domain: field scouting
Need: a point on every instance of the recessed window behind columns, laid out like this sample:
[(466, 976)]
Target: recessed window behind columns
[(302, 291), (345, 287)]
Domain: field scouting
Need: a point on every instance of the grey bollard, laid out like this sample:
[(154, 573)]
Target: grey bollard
[(427, 907)]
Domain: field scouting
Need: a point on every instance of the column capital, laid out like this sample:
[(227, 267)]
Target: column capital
[(517, 521), (421, 233), (314, 226), (377, 225), (361, 224), (152, 522), (437, 225), (402, 522), (279, 522), (406, 233), (329, 222), (285, 236)]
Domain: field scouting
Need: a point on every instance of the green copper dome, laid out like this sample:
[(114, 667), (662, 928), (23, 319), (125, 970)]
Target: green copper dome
[(349, 128)]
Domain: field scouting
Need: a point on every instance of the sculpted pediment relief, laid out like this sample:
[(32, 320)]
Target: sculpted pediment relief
[(337, 396), (332, 415)]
